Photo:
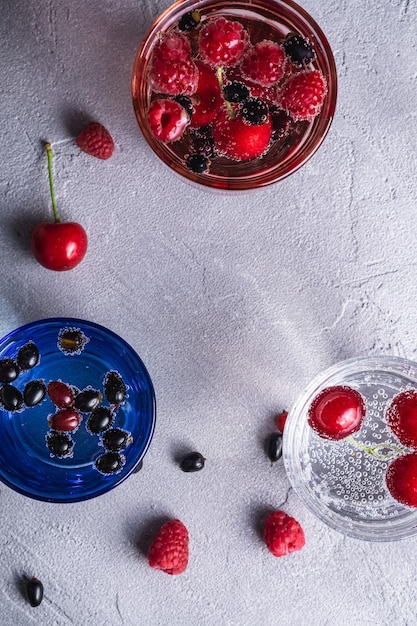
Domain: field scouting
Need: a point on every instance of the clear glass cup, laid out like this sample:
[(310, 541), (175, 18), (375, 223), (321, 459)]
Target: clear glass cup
[(343, 482), (264, 19)]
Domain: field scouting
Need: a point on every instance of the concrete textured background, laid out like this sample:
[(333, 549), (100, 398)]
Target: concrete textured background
[(234, 304)]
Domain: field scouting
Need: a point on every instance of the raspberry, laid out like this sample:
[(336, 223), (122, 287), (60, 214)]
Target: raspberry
[(401, 479), (283, 534), (169, 550), (207, 98), (302, 95), (264, 63), (173, 71), (96, 141), (336, 412), (222, 42), (238, 140), (167, 119), (401, 417)]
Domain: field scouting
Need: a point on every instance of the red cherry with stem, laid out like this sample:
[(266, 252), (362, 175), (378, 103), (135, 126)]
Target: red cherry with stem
[(57, 245), (401, 479), (401, 417), (336, 412)]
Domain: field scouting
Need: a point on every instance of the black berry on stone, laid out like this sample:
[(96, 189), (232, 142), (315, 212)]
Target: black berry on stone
[(189, 21), (11, 398), (34, 591), (34, 392), (28, 356), (274, 447), (235, 92), (300, 50), (9, 370), (186, 104), (110, 463), (114, 388), (59, 444), (254, 111), (116, 439), (100, 419), (197, 163), (192, 462)]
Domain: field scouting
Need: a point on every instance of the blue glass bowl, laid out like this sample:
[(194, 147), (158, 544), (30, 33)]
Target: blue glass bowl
[(26, 463)]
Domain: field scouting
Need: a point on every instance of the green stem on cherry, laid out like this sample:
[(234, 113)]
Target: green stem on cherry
[(48, 148), (375, 450), (230, 109)]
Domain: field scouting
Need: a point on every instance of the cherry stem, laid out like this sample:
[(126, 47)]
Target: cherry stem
[(48, 148), (230, 109), (377, 450)]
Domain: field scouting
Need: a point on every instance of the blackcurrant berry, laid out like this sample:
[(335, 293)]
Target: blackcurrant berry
[(186, 104), (9, 370), (114, 388), (28, 356), (59, 444), (71, 340), (100, 419), (202, 145), (281, 122), (254, 111), (299, 50), (11, 398), (274, 447), (87, 400), (197, 163), (34, 392), (192, 462), (110, 463), (34, 591), (116, 439), (189, 21), (235, 92)]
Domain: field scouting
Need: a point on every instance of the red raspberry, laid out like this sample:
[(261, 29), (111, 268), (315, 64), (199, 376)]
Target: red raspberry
[(238, 140), (96, 141), (207, 98), (169, 549), (167, 119), (265, 63), (222, 42), (283, 534), (302, 95), (336, 412), (401, 417), (401, 479), (173, 71)]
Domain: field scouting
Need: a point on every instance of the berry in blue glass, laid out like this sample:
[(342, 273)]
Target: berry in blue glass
[(34, 392), (28, 356), (11, 398), (9, 370)]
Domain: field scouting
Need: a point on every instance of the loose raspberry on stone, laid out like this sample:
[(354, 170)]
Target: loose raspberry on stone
[(222, 42), (167, 119), (264, 63), (283, 534), (238, 140), (96, 141), (302, 95), (207, 98), (169, 550), (401, 479), (172, 71)]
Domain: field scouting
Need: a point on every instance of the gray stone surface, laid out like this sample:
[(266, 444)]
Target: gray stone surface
[(234, 304)]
